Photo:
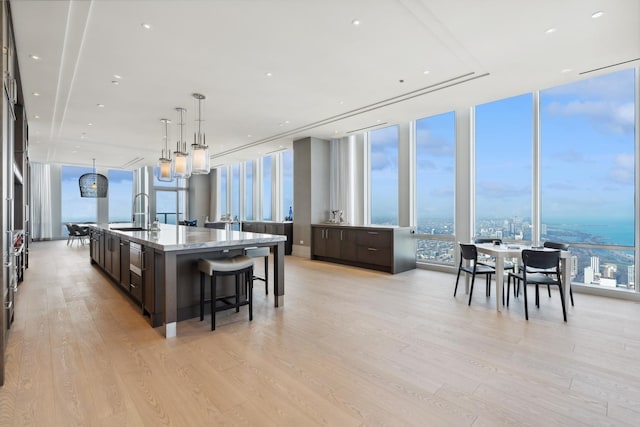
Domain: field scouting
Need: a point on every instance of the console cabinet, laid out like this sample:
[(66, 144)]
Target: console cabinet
[(390, 249), (271, 227)]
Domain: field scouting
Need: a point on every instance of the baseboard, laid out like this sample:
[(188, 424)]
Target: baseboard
[(302, 251)]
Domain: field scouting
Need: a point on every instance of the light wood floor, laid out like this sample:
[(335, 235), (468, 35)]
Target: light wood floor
[(350, 347)]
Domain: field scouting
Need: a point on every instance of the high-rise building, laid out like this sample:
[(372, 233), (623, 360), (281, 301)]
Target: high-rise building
[(574, 266), (595, 264), (543, 229), (588, 275), (631, 273)]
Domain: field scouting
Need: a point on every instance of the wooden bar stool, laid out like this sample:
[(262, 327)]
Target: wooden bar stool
[(239, 266), (256, 252)]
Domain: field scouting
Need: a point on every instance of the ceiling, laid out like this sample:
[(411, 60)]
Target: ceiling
[(274, 71)]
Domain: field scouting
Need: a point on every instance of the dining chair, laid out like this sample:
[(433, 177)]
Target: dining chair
[(72, 234), (539, 268), (560, 247), (80, 232), (469, 252), (508, 265)]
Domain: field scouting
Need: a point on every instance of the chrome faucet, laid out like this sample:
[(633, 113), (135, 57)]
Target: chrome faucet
[(143, 222)]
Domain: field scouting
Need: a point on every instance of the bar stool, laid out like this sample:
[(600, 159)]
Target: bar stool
[(256, 252), (239, 266)]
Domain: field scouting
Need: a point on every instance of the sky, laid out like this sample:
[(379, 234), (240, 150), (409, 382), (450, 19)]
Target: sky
[(587, 156)]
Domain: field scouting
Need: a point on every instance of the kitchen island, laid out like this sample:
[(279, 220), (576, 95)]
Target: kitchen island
[(158, 269)]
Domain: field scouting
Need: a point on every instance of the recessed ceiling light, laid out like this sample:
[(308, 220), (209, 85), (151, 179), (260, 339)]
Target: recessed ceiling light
[(117, 76), (115, 82), (355, 22), (36, 93), (89, 124), (34, 57), (146, 26), (550, 30), (36, 116), (100, 105), (341, 102), (286, 122), (249, 136), (268, 74), (426, 72), (597, 14), (566, 70)]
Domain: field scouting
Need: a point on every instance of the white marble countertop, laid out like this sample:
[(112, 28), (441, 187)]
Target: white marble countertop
[(177, 238), (344, 224)]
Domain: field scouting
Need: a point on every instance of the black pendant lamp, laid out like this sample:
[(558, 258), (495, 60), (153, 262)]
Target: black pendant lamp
[(93, 184)]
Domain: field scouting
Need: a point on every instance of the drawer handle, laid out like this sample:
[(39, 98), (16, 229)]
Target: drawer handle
[(9, 305), (372, 232), (372, 249)]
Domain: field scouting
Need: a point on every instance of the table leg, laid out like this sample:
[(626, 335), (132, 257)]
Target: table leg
[(499, 281), (566, 280), (278, 274)]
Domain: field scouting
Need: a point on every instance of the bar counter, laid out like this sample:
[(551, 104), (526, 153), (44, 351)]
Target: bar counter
[(171, 255)]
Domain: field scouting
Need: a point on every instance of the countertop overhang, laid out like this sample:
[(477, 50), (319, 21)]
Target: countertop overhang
[(179, 237)]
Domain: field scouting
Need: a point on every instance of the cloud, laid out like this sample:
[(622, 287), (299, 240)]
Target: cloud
[(501, 190), (570, 156), (604, 116), (619, 86), (434, 145), (622, 170), (380, 161)]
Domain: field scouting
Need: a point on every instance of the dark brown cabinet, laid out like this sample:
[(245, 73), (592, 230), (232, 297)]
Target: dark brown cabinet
[(390, 249), (271, 227), (111, 259)]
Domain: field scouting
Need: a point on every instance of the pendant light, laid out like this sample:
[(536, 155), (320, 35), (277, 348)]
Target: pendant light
[(93, 184), (164, 162), (199, 150), (181, 166)]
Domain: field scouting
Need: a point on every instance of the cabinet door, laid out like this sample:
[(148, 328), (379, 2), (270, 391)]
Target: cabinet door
[(333, 241), (108, 242), (318, 241), (124, 264), (148, 281), (348, 247), (115, 258)]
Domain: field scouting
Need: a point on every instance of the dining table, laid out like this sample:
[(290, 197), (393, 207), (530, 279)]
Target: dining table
[(502, 251)]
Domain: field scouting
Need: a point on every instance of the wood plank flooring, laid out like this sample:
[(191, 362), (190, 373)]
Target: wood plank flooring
[(350, 347)]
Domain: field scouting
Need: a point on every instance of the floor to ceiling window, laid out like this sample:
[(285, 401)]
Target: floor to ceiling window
[(120, 195), (587, 175), (235, 190), (165, 199), (435, 183), (287, 183), (249, 167), (384, 176), (266, 188), (223, 191), (503, 141), (75, 209)]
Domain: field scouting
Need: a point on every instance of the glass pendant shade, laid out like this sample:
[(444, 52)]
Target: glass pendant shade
[(200, 162), (181, 166), (165, 172), (200, 159)]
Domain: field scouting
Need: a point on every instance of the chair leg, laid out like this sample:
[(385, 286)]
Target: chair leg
[(250, 277), (537, 296), (237, 281), (473, 279), (549, 290), (457, 279), (564, 310), (488, 290), (201, 296), (508, 288), (213, 301), (571, 295), (526, 309)]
